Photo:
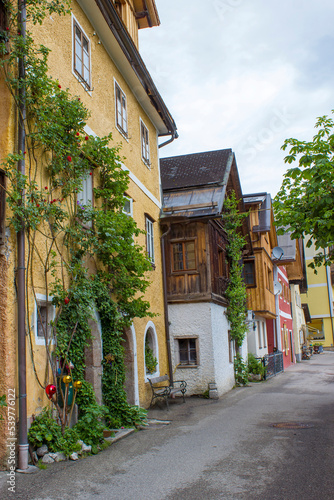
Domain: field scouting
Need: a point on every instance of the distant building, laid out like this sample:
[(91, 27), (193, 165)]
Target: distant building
[(319, 298), (196, 266)]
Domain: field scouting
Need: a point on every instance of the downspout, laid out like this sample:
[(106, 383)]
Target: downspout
[(175, 135), (164, 281), (20, 271), (330, 296)]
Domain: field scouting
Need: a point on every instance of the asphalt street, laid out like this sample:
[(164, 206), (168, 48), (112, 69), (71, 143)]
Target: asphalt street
[(214, 450)]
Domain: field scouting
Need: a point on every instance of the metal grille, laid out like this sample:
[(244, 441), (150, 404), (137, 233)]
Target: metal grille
[(273, 363)]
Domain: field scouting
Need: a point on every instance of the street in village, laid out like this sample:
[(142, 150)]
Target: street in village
[(215, 450)]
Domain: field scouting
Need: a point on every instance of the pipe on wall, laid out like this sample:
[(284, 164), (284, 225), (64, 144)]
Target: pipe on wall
[(23, 450)]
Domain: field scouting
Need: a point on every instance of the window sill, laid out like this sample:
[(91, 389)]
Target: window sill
[(179, 367), (146, 163), (123, 134), (186, 271)]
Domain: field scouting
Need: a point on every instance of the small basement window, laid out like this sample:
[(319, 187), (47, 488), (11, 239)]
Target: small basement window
[(188, 352)]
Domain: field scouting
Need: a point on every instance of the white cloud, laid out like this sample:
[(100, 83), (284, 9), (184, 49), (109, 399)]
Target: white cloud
[(243, 74)]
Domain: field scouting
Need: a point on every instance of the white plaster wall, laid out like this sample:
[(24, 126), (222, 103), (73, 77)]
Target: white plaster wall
[(224, 371), (193, 320)]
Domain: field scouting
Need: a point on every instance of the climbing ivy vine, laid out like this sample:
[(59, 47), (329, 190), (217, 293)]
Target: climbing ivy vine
[(81, 254), (236, 290)]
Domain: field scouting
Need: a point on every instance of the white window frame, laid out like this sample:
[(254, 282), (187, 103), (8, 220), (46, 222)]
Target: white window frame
[(42, 300), (177, 348), (79, 76), (124, 111), (145, 144), (149, 238), (150, 327), (130, 211), (85, 195)]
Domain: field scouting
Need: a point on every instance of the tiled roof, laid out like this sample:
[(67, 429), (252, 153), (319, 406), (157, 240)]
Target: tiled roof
[(195, 169)]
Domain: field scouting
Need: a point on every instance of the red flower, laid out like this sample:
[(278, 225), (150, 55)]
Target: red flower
[(24, 152), (59, 86), (86, 138), (46, 187), (66, 300), (7, 28), (77, 134), (90, 173), (79, 99), (54, 201), (69, 158), (37, 205)]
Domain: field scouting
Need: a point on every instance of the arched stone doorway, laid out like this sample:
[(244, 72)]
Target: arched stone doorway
[(130, 363)]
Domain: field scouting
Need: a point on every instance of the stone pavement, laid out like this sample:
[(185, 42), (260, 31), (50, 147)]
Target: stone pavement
[(217, 450)]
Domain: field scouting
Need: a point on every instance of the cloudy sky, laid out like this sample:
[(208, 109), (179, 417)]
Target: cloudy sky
[(243, 74)]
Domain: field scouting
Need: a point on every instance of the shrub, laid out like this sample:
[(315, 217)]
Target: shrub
[(255, 365)]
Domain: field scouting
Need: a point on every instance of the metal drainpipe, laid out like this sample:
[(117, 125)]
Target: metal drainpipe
[(330, 296), (164, 279), (174, 136), (23, 431)]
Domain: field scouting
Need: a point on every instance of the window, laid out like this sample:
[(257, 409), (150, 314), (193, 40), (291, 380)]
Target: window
[(259, 333), (3, 18), (2, 207), (269, 278), (231, 348), (149, 239), (184, 257), (81, 55), (222, 263), (85, 196), (145, 150), (128, 206), (44, 314), (151, 351), (121, 113), (249, 272), (188, 351)]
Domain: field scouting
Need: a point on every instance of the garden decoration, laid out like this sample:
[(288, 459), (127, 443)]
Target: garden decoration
[(50, 391)]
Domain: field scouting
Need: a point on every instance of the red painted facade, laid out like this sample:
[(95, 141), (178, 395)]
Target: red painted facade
[(285, 319)]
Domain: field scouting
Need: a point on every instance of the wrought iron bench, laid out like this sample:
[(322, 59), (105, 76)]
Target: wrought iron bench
[(166, 391)]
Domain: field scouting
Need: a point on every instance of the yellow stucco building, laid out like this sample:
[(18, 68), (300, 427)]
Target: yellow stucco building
[(94, 53), (319, 298)]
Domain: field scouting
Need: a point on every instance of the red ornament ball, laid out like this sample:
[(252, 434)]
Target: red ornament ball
[(77, 134), (69, 158), (66, 300), (86, 138), (59, 86), (50, 390)]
